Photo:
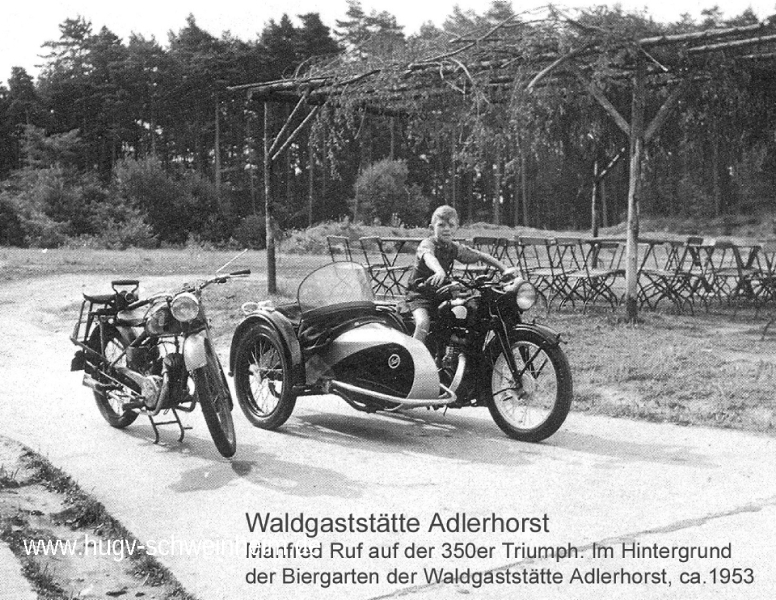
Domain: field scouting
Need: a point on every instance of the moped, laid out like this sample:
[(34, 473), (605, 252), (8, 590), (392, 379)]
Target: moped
[(139, 356)]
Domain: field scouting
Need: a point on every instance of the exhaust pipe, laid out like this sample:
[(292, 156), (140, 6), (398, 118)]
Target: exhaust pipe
[(89, 382)]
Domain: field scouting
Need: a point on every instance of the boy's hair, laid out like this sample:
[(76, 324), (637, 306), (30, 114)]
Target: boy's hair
[(444, 213)]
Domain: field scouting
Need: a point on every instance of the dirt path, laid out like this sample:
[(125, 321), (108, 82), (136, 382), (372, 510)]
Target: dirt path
[(598, 480)]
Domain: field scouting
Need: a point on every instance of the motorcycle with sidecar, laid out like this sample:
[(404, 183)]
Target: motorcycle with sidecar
[(338, 339)]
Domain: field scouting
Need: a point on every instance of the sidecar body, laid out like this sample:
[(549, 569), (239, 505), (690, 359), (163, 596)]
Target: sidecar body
[(338, 339)]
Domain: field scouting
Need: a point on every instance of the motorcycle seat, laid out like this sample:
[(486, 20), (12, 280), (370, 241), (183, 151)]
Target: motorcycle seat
[(291, 311), (99, 298)]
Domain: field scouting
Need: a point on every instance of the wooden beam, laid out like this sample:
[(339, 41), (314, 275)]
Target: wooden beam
[(732, 45), (558, 62), (665, 110), (711, 34), (290, 118), (296, 131), (599, 95)]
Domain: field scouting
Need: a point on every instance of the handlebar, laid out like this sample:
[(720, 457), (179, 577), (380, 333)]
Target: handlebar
[(190, 288), (222, 278)]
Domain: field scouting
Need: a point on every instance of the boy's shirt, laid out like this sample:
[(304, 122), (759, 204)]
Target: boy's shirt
[(446, 254)]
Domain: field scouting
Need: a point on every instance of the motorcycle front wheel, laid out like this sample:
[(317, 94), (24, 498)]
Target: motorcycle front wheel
[(111, 402), (532, 404), (215, 399), (262, 378)]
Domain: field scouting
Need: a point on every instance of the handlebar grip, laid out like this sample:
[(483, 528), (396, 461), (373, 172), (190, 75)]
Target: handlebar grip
[(240, 272), (123, 282)]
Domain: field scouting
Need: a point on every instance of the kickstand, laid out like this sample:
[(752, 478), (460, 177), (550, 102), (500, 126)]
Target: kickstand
[(176, 421)]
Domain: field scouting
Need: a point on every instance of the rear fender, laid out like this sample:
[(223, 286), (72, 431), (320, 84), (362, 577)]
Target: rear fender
[(283, 328)]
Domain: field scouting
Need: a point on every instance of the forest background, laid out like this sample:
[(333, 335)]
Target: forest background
[(114, 144)]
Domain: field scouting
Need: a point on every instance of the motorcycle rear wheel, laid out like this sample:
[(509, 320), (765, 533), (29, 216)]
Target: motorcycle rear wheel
[(110, 403), (262, 378), (214, 397), (535, 409)]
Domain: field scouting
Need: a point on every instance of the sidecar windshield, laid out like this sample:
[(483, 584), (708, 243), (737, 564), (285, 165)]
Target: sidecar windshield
[(335, 283)]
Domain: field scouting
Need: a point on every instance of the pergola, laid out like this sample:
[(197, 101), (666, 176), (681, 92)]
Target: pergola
[(508, 65)]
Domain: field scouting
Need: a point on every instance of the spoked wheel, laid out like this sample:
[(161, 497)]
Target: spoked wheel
[(215, 399), (111, 402), (533, 403), (262, 378)]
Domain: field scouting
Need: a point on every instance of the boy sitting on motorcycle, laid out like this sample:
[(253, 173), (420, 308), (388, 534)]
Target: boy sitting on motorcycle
[(433, 262)]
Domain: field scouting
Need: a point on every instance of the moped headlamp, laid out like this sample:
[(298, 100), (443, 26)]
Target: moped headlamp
[(158, 319), (185, 307), (525, 295)]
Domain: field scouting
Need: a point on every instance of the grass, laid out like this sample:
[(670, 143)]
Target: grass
[(82, 512), (713, 368)]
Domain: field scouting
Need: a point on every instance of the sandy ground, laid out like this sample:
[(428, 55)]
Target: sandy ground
[(598, 481)]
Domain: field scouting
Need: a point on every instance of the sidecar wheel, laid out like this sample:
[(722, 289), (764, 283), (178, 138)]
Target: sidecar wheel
[(215, 399), (537, 408), (110, 403), (262, 378)]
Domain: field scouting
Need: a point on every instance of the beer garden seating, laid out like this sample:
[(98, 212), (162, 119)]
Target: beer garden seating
[(688, 272)]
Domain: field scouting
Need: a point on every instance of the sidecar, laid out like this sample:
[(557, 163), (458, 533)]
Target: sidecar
[(336, 338)]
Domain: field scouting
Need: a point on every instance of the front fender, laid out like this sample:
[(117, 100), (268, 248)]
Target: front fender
[(194, 350), (285, 332), (541, 334), (551, 336)]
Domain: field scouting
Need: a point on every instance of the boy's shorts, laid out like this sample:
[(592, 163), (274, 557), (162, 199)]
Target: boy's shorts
[(415, 300)]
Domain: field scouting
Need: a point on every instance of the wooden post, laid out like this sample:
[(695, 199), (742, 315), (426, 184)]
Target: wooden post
[(524, 189), (269, 226), (594, 203), (311, 181), (217, 149), (497, 190), (634, 191)]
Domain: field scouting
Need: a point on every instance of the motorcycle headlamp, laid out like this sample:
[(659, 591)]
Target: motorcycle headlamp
[(185, 307), (525, 295)]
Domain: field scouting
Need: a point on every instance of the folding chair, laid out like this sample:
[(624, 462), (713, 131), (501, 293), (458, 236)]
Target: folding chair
[(514, 254), (661, 276), (696, 271), (567, 270), (537, 253), (339, 248), (601, 267), (387, 278), (496, 247)]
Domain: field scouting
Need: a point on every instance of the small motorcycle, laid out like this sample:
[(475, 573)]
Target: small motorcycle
[(138, 357), (338, 339)]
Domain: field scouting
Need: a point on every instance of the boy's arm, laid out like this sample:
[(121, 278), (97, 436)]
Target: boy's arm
[(439, 273), (471, 255)]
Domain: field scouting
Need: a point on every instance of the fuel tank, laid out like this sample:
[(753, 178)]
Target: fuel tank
[(376, 357)]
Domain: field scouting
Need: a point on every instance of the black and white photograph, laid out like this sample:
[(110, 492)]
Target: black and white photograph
[(372, 300)]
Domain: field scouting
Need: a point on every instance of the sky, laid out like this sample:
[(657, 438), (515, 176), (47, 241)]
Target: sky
[(26, 25)]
